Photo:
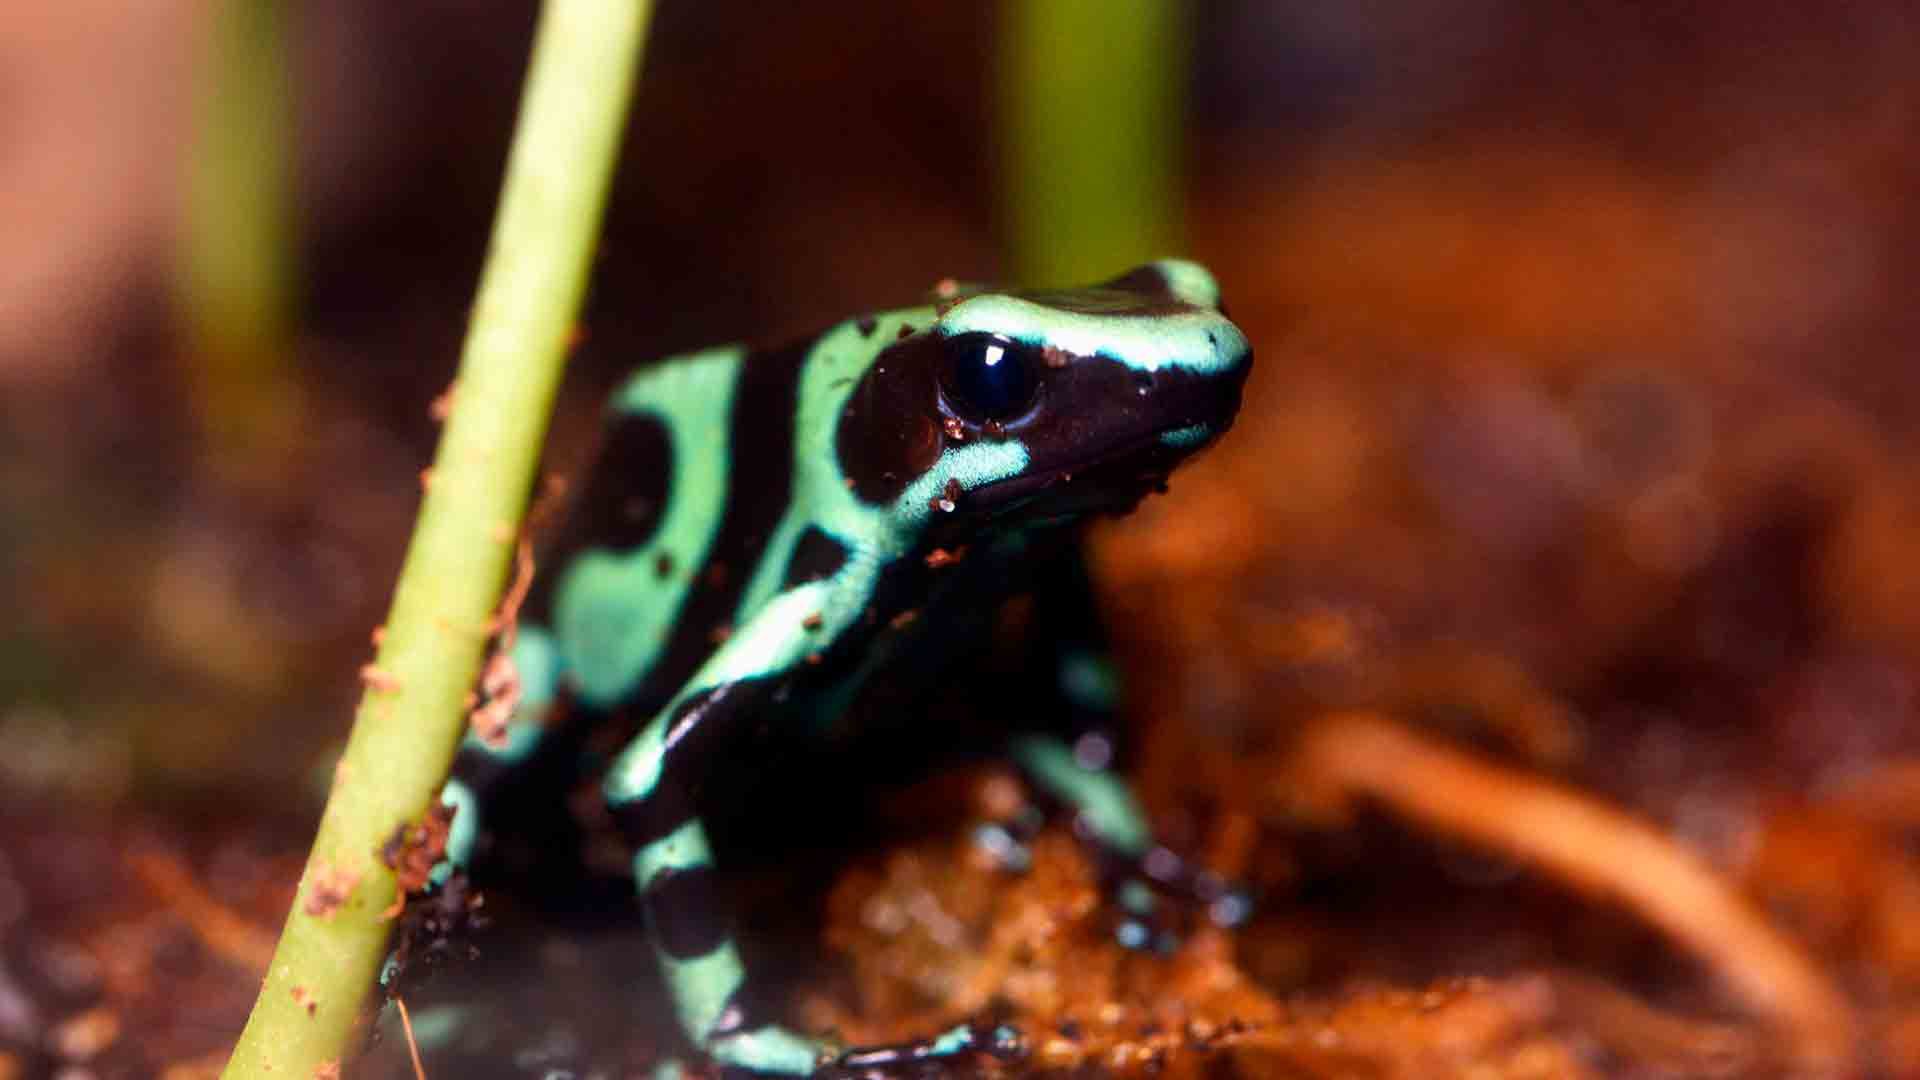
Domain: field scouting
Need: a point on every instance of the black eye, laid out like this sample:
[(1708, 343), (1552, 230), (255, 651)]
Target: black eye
[(989, 377)]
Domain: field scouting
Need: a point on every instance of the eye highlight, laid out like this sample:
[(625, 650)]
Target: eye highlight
[(989, 378)]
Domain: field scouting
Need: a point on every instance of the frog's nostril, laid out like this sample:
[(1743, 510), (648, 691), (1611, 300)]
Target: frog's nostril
[(1239, 356), (1231, 353)]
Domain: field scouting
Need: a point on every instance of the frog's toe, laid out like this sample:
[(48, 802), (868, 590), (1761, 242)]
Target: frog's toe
[(1141, 919), (1135, 875), (926, 1057), (1227, 904), (1009, 842), (1231, 907)]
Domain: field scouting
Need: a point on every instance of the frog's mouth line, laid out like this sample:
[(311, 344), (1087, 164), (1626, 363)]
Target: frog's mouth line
[(1114, 480), (1177, 415)]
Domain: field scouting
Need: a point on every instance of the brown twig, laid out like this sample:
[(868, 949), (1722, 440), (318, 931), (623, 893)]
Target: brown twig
[(1596, 848), (507, 622), (223, 932), (1642, 1033), (413, 1047)]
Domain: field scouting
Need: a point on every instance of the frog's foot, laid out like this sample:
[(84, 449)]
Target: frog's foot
[(1134, 883), (1009, 841), (1133, 879), (1135, 870), (776, 1051), (1151, 892), (926, 1057)]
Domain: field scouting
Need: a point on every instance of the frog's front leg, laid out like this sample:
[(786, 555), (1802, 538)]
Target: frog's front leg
[(649, 792), (1076, 772)]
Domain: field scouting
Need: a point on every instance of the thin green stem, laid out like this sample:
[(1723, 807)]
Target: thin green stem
[(1091, 98), (236, 269), (574, 108)]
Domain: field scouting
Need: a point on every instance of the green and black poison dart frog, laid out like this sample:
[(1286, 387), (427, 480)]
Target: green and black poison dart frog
[(764, 529)]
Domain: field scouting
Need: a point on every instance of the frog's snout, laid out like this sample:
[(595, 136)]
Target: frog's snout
[(1195, 409)]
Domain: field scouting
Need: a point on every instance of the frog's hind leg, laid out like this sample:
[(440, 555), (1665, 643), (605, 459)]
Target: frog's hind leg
[(483, 765)]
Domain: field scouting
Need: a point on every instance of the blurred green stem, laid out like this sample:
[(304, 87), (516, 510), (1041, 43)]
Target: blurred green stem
[(237, 258), (1092, 93), (572, 114)]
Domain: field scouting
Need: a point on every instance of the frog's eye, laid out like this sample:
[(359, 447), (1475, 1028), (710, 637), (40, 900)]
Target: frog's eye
[(989, 378)]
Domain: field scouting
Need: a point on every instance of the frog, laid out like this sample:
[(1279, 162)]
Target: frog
[(763, 530)]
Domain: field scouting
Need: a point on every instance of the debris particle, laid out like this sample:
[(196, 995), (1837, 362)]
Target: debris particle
[(413, 850), (378, 680), (332, 885), (948, 499), (940, 557), (84, 1036), (499, 698)]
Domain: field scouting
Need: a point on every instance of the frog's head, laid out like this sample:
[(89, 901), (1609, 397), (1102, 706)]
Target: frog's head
[(1036, 407)]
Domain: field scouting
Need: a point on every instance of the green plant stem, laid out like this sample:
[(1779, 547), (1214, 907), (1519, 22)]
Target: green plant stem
[(574, 108), (1091, 98), (236, 260)]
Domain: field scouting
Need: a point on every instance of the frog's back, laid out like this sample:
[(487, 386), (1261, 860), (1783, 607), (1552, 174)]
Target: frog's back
[(694, 472)]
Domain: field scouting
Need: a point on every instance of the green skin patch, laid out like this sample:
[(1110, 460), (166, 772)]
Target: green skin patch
[(1200, 342), (961, 425), (615, 610)]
